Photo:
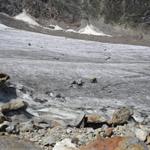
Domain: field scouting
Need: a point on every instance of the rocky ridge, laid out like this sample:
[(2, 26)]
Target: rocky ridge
[(74, 13)]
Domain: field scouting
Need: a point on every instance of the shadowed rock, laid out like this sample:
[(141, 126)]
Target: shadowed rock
[(2, 118), (3, 78)]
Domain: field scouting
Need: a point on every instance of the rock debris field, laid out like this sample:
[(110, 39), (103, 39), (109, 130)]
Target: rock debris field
[(58, 93)]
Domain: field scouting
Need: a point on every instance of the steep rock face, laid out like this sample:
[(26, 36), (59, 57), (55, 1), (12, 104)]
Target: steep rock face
[(133, 12)]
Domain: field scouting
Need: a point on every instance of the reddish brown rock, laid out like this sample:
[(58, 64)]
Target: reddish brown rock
[(115, 143)]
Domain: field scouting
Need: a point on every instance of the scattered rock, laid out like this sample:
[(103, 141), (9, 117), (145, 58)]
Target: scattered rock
[(40, 100), (78, 82), (13, 106), (79, 121), (29, 44), (59, 95), (108, 58), (93, 80), (65, 145), (141, 134), (121, 116), (115, 143)]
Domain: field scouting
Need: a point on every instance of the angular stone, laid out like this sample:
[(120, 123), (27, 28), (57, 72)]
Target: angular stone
[(121, 116), (79, 121), (115, 143), (141, 134), (14, 105)]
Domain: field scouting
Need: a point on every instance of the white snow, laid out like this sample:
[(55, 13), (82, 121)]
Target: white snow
[(58, 28), (26, 18), (71, 30), (3, 27), (91, 30)]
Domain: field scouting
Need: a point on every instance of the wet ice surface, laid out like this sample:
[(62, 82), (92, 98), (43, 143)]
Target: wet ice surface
[(49, 63)]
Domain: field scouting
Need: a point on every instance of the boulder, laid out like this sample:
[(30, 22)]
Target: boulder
[(79, 121), (121, 116), (115, 143), (94, 118), (13, 106)]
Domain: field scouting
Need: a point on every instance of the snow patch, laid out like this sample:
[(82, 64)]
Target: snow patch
[(26, 18), (3, 27), (58, 28), (91, 30), (71, 30)]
